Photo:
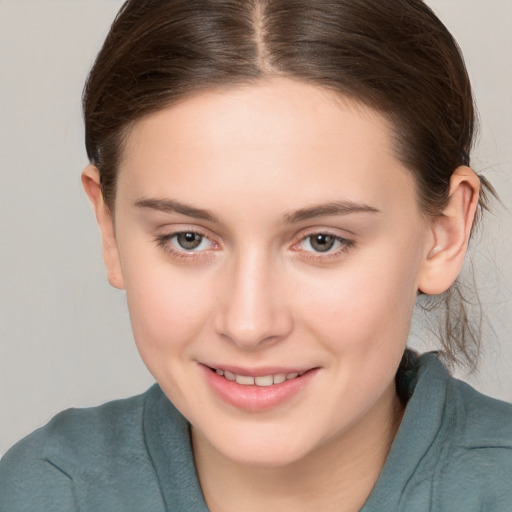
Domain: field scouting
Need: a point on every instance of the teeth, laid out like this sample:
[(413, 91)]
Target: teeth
[(268, 380), (229, 375), (280, 377), (264, 381), (245, 380)]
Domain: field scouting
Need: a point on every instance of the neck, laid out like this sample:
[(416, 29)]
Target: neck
[(339, 475)]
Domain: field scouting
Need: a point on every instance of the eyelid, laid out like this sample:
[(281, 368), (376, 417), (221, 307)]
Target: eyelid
[(346, 244), (164, 241), (203, 240), (318, 230), (173, 229)]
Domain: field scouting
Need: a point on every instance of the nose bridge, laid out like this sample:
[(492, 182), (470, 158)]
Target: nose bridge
[(253, 311)]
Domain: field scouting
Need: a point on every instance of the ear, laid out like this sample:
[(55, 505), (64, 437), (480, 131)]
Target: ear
[(450, 234), (91, 184)]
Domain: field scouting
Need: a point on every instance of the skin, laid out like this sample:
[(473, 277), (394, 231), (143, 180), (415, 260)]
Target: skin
[(256, 293)]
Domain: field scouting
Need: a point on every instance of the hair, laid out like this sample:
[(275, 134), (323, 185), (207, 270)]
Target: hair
[(395, 57)]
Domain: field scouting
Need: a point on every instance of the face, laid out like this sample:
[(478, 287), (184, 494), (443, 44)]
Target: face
[(270, 243)]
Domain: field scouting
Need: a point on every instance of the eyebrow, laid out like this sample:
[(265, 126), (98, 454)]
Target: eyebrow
[(171, 206), (320, 210), (328, 209)]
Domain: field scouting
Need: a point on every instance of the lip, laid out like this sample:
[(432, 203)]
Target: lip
[(255, 398), (258, 372)]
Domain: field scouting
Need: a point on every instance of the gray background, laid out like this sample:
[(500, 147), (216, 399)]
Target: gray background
[(64, 334)]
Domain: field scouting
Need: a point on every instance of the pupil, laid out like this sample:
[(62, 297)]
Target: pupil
[(189, 240), (322, 243)]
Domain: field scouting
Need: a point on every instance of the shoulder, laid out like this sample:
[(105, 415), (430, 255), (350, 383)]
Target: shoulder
[(84, 434), (456, 441), (482, 421), (478, 438), (42, 471), (473, 419)]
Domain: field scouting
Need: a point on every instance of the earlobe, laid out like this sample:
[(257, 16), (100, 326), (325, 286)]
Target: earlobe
[(450, 231), (92, 187)]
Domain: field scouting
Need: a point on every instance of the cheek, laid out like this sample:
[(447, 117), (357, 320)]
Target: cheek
[(168, 308), (365, 306)]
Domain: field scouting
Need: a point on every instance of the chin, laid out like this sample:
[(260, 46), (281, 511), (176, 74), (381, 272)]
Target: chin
[(265, 458), (262, 446)]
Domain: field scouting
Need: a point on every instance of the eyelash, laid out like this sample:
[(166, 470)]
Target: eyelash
[(345, 246), (165, 242)]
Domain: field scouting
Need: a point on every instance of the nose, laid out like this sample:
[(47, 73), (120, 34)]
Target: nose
[(254, 308)]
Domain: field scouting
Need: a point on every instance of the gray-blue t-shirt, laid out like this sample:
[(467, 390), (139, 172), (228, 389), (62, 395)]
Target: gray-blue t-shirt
[(452, 453)]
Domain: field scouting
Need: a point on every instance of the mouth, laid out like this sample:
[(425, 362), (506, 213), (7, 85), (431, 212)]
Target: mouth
[(260, 380), (258, 390)]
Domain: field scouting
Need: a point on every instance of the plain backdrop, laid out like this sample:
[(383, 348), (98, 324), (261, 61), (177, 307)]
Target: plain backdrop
[(64, 334)]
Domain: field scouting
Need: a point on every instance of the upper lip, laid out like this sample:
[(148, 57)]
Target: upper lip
[(259, 372)]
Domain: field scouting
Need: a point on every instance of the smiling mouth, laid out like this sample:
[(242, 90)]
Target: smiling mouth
[(257, 389), (262, 381)]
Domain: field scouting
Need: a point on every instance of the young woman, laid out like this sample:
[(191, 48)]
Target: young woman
[(276, 182)]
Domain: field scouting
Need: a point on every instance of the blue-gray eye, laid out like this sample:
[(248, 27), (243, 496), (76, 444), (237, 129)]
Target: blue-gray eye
[(322, 242), (189, 241)]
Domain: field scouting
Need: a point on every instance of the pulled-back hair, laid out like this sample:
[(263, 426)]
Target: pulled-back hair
[(394, 56)]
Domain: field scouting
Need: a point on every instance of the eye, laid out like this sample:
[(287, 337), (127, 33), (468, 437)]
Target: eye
[(321, 242), (189, 241), (324, 243), (185, 243)]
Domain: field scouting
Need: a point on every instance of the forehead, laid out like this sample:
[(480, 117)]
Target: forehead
[(287, 136)]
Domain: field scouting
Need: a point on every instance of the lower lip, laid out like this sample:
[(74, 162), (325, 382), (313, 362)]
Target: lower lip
[(256, 398)]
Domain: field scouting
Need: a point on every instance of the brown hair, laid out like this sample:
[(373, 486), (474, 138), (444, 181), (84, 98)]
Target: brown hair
[(395, 56)]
